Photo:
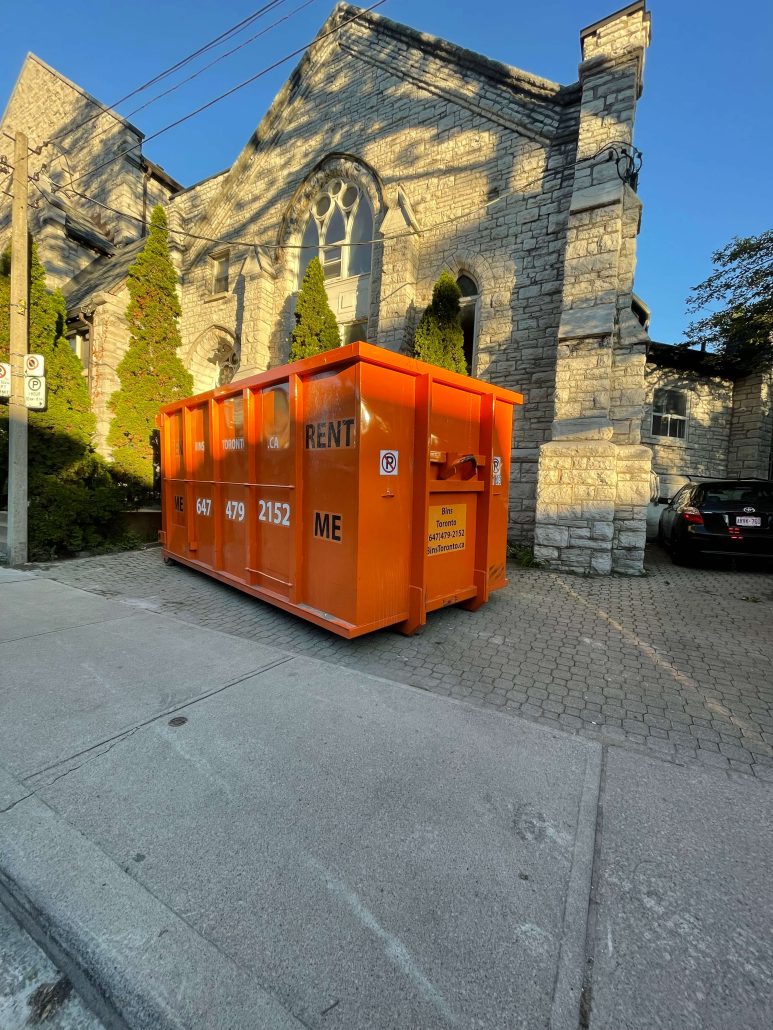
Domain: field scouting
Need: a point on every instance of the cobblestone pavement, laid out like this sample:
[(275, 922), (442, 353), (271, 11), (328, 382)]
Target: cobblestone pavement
[(678, 662)]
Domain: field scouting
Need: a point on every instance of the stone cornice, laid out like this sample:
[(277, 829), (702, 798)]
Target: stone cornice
[(446, 93), (496, 72)]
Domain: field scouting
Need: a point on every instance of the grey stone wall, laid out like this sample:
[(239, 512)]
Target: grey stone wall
[(704, 450), (751, 428), (593, 481), (84, 146), (434, 136)]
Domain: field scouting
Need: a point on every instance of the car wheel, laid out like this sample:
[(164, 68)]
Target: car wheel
[(680, 555)]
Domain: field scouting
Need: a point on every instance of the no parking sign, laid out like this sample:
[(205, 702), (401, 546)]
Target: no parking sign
[(34, 365), (5, 379)]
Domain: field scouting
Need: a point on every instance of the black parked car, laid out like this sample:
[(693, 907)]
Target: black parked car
[(726, 516)]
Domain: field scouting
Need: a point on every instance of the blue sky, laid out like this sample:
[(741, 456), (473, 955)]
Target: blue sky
[(703, 124)]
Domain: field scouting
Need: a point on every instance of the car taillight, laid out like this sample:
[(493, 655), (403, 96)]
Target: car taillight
[(693, 516)]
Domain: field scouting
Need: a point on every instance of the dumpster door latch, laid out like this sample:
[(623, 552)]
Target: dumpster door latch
[(466, 464)]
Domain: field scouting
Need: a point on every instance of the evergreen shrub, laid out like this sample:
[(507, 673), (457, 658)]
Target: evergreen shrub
[(439, 337), (74, 504), (316, 329), (150, 373)]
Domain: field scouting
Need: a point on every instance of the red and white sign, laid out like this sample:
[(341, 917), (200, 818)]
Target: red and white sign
[(388, 465), (34, 365), (5, 379)]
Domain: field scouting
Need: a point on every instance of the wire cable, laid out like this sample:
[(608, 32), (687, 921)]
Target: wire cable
[(230, 92), (540, 179), (223, 37), (206, 67), (222, 57)]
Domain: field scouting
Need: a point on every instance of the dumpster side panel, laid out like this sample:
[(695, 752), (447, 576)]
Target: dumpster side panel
[(174, 497), (329, 439), (272, 443), (450, 533), (199, 470), (387, 399), (496, 539), (234, 512)]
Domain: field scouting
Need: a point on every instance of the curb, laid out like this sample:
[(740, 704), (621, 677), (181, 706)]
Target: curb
[(136, 964)]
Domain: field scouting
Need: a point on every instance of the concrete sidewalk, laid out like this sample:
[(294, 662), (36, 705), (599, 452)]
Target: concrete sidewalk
[(207, 832)]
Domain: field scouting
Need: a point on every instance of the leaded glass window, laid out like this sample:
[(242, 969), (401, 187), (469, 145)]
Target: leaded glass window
[(339, 231)]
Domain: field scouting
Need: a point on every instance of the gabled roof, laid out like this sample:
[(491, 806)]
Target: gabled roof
[(30, 58), (104, 274), (682, 358), (547, 96)]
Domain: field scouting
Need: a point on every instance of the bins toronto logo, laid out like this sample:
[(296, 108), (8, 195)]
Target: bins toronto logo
[(447, 528)]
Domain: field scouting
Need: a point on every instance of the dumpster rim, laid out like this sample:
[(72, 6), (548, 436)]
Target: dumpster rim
[(368, 352)]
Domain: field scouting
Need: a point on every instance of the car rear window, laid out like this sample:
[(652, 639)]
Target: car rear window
[(755, 495)]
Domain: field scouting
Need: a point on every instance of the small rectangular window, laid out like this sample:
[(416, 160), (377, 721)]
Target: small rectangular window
[(81, 347), (220, 273), (669, 414)]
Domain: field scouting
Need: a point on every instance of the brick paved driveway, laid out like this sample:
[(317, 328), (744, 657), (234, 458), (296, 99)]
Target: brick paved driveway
[(678, 662)]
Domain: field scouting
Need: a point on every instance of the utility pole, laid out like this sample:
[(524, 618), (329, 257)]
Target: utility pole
[(19, 318)]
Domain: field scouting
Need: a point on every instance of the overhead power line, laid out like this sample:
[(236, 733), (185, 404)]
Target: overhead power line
[(223, 37), (230, 92), (211, 64), (231, 242), (222, 57)]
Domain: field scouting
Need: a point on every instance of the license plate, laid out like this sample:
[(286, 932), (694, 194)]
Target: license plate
[(748, 520)]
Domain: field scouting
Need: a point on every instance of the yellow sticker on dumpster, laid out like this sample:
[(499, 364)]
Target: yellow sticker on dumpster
[(447, 528)]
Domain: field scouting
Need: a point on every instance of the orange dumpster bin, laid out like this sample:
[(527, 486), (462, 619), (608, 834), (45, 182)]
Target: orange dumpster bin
[(357, 489)]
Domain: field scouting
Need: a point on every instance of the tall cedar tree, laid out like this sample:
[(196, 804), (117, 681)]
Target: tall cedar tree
[(738, 334), (439, 337), (72, 501), (316, 329), (151, 374), (59, 435)]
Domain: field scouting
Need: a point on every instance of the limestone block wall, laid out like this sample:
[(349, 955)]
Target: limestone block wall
[(109, 340), (450, 133), (704, 450), (750, 445), (86, 146), (593, 483), (576, 505)]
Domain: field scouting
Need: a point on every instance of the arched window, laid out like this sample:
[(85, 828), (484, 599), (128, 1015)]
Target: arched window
[(339, 231), (469, 313)]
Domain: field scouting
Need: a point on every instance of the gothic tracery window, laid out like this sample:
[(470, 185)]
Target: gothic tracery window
[(339, 231)]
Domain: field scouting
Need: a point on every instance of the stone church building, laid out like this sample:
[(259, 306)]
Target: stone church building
[(393, 155)]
